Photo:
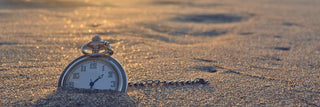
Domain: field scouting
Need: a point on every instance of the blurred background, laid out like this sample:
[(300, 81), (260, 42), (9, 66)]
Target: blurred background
[(253, 52)]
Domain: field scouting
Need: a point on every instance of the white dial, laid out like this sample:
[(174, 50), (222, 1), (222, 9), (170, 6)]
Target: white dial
[(92, 74)]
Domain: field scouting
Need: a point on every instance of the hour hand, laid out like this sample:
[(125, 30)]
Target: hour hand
[(91, 84)]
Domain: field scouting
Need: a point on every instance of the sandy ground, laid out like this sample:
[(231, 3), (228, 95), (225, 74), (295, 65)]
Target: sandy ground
[(253, 52)]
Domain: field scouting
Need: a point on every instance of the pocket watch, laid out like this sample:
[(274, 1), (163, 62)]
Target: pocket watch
[(95, 70)]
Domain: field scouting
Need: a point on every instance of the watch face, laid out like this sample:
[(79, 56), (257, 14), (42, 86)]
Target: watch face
[(92, 73)]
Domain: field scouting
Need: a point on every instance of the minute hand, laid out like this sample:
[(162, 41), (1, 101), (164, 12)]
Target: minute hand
[(92, 83), (98, 78)]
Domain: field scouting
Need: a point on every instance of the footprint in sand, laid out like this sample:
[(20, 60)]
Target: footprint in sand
[(8, 43), (213, 18), (279, 48)]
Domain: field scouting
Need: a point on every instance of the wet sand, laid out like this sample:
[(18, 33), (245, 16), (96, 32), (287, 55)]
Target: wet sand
[(253, 53)]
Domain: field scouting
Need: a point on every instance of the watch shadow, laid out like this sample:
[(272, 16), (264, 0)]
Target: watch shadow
[(76, 98)]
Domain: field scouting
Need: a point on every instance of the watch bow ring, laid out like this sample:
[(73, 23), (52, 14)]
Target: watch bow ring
[(96, 45)]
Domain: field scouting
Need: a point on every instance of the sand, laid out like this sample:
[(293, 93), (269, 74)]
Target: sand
[(252, 52)]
